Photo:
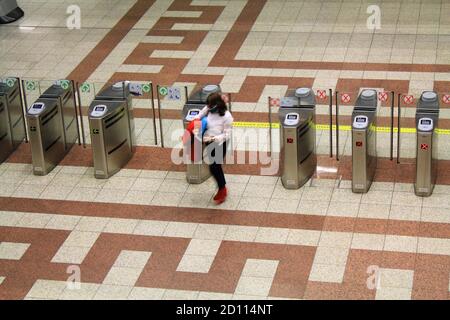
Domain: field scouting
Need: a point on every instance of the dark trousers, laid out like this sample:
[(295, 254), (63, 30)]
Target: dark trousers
[(216, 164)]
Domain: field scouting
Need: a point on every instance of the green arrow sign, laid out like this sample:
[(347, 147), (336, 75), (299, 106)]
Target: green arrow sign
[(30, 85), (163, 91), (65, 84), (10, 82), (86, 87), (146, 88)]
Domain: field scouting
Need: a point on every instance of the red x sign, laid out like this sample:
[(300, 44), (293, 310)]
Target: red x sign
[(382, 96), (345, 98), (408, 99), (446, 99), (424, 146), (274, 102), (321, 94)]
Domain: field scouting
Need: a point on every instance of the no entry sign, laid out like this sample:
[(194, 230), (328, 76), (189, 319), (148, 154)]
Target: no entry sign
[(446, 98), (321, 94), (408, 99), (382, 96), (345, 98), (274, 102)]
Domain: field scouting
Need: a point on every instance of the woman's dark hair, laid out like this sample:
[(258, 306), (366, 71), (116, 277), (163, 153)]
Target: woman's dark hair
[(215, 99)]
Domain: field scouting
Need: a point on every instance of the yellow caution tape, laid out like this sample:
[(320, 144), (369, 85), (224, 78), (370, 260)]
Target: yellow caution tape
[(264, 125), (324, 127), (443, 131)]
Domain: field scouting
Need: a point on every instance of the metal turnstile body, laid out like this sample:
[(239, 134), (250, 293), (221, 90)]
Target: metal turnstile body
[(298, 159), (52, 126), (427, 120), (66, 99), (117, 92), (12, 123), (112, 128), (45, 127), (364, 141), (197, 170)]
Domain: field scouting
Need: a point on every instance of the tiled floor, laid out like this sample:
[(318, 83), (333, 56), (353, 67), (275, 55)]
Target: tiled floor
[(147, 234)]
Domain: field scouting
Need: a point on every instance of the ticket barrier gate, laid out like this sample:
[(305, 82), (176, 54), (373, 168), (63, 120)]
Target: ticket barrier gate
[(364, 141), (123, 91), (298, 159), (12, 124), (197, 170), (427, 119), (66, 100), (52, 126), (112, 130)]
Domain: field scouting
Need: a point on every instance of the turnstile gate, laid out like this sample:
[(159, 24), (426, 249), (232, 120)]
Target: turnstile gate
[(52, 127), (112, 130), (364, 141), (123, 91), (12, 125), (66, 99), (298, 159), (427, 119), (197, 169)]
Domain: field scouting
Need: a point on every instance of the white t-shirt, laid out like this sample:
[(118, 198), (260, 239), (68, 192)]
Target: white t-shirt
[(218, 126)]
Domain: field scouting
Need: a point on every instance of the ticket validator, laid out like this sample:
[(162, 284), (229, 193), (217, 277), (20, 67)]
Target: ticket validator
[(364, 141), (427, 120), (298, 159)]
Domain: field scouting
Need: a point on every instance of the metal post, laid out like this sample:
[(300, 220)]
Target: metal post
[(337, 126), (81, 115), (398, 126), (23, 101), (392, 123), (76, 110), (270, 126), (232, 138), (331, 121), (186, 93), (159, 114), (153, 113)]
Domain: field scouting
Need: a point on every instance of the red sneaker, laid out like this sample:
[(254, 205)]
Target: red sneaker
[(221, 195)]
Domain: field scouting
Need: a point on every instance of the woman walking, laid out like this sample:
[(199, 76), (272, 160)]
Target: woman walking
[(219, 123)]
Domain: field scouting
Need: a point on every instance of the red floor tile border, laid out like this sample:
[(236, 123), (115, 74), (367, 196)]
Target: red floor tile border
[(164, 213), (156, 158), (226, 217)]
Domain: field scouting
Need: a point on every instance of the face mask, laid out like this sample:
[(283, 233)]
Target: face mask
[(214, 109)]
